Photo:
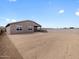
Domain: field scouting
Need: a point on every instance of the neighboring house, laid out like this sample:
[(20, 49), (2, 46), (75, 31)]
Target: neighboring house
[(26, 26)]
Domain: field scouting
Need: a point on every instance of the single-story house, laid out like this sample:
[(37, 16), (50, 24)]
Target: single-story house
[(26, 26)]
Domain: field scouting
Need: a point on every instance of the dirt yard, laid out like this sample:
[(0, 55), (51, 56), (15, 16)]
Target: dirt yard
[(7, 49), (56, 44)]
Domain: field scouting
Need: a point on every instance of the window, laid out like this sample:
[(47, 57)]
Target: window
[(29, 27), (18, 28)]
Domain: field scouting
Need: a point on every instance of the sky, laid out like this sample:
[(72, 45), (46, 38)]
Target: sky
[(48, 13)]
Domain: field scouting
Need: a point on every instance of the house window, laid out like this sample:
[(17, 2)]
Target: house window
[(29, 27), (18, 28)]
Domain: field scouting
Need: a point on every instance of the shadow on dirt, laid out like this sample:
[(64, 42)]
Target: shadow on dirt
[(7, 48)]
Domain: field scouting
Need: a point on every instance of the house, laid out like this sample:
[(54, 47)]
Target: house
[(26, 26)]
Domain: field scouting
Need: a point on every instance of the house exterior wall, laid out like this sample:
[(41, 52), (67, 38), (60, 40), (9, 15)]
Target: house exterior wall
[(8, 30), (25, 26)]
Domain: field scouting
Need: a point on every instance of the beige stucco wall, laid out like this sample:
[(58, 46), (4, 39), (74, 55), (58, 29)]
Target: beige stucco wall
[(25, 25)]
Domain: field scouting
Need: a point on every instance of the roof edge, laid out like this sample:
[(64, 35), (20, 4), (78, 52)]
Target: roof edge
[(22, 21)]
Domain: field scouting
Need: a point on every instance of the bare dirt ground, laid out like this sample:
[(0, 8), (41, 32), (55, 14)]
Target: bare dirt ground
[(7, 49), (56, 44)]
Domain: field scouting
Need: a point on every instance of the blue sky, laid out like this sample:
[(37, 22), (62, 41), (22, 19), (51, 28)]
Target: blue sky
[(49, 13)]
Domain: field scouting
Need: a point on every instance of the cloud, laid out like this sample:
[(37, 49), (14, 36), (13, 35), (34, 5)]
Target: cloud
[(12, 0), (7, 19), (77, 13), (61, 11), (13, 20), (10, 20)]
